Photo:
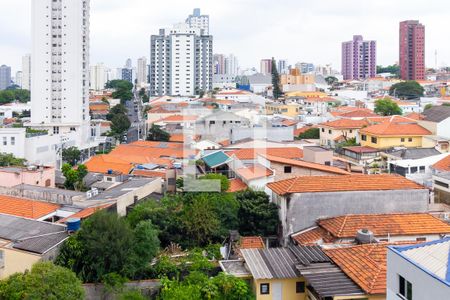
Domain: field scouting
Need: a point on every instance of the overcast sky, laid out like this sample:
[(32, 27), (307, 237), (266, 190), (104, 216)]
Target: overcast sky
[(297, 30)]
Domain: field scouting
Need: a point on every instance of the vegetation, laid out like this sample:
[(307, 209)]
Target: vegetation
[(331, 80), (348, 143), (143, 94), (312, 134), (8, 96), (156, 133), (71, 155), (428, 106), (120, 125), (44, 281), (275, 81), (9, 160), (74, 177), (123, 90), (387, 107), (107, 244), (394, 69), (407, 90)]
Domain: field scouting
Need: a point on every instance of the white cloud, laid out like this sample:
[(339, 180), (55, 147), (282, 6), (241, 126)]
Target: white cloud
[(298, 30)]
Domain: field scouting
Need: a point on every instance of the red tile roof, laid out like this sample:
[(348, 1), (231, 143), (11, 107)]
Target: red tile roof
[(180, 118), (305, 164), (415, 116), (384, 224), (344, 183), (362, 149), (396, 126), (85, 213), (103, 163), (311, 236), (345, 124), (252, 242), (149, 173), (237, 185), (443, 165), (25, 208), (299, 131), (253, 172), (252, 153)]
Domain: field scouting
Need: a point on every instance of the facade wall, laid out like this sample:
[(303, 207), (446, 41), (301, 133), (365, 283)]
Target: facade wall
[(128, 199), (300, 211), (44, 177), (358, 59), (288, 289), (12, 141), (16, 261), (412, 50), (296, 171), (424, 286), (329, 135), (389, 142)]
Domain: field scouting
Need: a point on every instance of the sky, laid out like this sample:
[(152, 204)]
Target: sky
[(296, 30)]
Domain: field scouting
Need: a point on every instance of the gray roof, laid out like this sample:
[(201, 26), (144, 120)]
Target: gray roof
[(328, 280), (260, 79), (437, 113), (31, 235), (415, 153), (122, 189), (271, 263), (234, 267), (48, 190), (307, 255)]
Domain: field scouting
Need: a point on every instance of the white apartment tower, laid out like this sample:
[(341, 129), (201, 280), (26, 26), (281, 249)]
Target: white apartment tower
[(26, 72), (60, 67), (199, 21), (181, 61), (98, 77), (142, 71)]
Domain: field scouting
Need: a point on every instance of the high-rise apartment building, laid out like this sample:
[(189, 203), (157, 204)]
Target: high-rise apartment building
[(98, 77), (181, 61), (18, 79), (412, 50), (219, 64), (305, 68), (60, 67), (5, 77), (359, 59), (26, 72), (142, 71), (266, 66), (282, 66), (199, 21), (225, 64)]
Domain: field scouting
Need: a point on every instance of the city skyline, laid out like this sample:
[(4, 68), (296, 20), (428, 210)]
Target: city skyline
[(324, 24)]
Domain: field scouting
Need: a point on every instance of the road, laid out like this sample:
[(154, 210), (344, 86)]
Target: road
[(134, 115)]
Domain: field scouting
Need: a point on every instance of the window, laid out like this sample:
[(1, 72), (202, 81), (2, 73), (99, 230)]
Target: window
[(300, 287), (323, 129), (287, 170), (5, 141), (404, 288), (421, 239), (264, 289), (13, 141), (402, 140), (410, 140), (364, 137), (373, 140)]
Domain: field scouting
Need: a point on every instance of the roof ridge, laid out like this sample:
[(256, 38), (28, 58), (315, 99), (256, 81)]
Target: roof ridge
[(343, 225)]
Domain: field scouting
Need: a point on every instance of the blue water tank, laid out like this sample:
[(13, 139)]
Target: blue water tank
[(73, 224)]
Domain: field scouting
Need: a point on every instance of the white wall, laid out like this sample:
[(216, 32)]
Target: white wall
[(17, 135)]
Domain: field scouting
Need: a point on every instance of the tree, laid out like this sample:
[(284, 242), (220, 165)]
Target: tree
[(407, 90), (256, 215), (9, 160), (331, 80), (74, 177), (394, 69), (224, 182), (71, 155), (156, 133), (107, 244), (119, 84), (312, 133), (120, 124), (44, 281), (275, 80), (387, 107), (428, 106), (142, 92)]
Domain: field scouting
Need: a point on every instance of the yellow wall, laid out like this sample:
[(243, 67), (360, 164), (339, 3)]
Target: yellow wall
[(297, 79), (288, 289), (389, 141), (328, 139), (16, 261), (360, 297), (291, 110)]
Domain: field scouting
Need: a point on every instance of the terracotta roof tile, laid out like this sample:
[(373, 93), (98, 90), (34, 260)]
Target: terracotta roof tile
[(311, 236), (345, 124), (252, 242), (299, 131), (252, 153), (85, 213), (396, 126), (305, 164), (180, 118), (149, 173), (103, 163), (443, 165), (384, 224), (253, 172), (415, 116), (237, 185), (25, 208), (344, 183)]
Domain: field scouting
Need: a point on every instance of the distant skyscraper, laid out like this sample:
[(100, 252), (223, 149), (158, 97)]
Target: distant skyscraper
[(60, 67), (359, 59), (412, 50), (18, 79), (266, 66), (127, 74), (305, 68), (129, 64), (26, 72), (142, 71), (181, 61), (98, 77), (225, 64), (199, 21), (219, 64), (282, 66), (5, 77)]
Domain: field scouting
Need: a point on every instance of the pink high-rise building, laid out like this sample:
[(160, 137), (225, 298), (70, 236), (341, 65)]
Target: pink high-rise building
[(266, 66), (359, 59), (412, 50)]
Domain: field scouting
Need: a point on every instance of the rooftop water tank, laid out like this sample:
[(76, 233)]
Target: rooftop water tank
[(73, 224)]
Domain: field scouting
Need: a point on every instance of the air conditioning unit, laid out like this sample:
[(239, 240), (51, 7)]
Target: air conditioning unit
[(446, 216)]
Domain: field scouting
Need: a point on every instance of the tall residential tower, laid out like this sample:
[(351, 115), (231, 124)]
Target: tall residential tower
[(359, 59), (412, 50), (60, 67), (199, 21)]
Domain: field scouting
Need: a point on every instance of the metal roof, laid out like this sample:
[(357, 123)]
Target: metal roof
[(328, 280), (273, 263), (216, 159), (437, 113), (42, 244), (307, 255)]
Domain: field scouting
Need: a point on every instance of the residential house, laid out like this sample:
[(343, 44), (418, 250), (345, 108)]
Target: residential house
[(219, 125), (250, 155), (255, 176), (437, 120), (396, 131), (32, 175), (24, 242), (344, 230), (419, 272), (441, 189), (303, 200), (340, 130), (286, 109)]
